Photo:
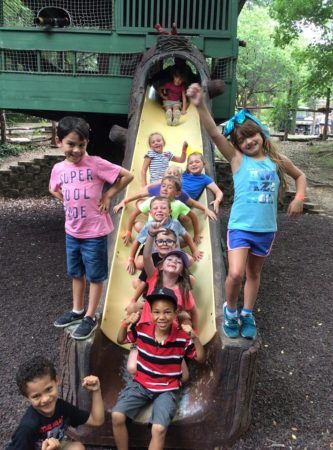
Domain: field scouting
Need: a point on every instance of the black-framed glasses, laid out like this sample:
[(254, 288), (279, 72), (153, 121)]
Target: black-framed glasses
[(165, 241)]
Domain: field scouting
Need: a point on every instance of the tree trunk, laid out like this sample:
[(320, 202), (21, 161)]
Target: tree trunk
[(54, 134), (3, 126), (286, 125), (327, 111)]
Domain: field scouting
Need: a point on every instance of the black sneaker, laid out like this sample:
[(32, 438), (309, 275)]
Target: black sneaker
[(86, 328), (69, 318)]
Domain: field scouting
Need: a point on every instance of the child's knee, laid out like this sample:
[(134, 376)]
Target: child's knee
[(118, 419), (158, 430), (235, 276), (76, 446), (138, 226)]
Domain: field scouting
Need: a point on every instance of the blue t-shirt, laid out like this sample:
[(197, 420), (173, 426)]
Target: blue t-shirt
[(195, 184), (154, 191), (256, 186)]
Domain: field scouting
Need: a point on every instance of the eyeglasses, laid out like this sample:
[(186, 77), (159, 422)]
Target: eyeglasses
[(165, 241)]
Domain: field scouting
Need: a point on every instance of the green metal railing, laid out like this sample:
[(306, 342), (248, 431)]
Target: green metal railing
[(190, 16)]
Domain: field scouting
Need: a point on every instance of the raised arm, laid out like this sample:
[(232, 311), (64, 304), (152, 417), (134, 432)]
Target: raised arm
[(194, 92), (200, 352), (148, 262), (129, 320), (97, 415), (182, 157)]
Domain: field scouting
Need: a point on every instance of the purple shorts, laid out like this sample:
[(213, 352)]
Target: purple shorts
[(259, 244)]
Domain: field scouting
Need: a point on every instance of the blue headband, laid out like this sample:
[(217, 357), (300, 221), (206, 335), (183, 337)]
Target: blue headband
[(239, 118)]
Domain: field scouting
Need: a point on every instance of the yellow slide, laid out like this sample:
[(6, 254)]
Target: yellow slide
[(120, 288)]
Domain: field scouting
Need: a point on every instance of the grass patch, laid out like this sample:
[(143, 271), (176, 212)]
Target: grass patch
[(13, 149)]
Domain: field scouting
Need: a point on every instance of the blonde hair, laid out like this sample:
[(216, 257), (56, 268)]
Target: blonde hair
[(248, 129), (174, 167), (195, 154), (153, 134)]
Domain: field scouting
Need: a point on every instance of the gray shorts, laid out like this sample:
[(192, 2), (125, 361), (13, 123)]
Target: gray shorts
[(65, 444), (171, 104), (134, 397)]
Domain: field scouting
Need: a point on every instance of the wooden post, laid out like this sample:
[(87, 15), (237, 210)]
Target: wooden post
[(3, 126), (327, 111), (54, 133), (286, 125)]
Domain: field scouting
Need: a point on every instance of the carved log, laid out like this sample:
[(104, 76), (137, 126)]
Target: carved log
[(215, 88), (219, 395), (119, 135)]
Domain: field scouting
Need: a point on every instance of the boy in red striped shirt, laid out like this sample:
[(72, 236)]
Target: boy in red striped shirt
[(161, 348)]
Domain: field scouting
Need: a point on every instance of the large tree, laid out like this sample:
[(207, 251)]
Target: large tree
[(294, 15), (263, 70), (316, 15)]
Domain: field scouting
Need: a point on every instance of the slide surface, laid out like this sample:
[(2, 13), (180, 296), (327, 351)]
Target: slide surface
[(120, 288)]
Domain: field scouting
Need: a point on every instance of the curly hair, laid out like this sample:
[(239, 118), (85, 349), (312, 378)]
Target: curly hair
[(36, 367)]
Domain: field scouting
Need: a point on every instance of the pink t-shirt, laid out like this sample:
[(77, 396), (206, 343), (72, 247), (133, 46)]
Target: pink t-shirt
[(151, 281), (174, 93), (81, 186)]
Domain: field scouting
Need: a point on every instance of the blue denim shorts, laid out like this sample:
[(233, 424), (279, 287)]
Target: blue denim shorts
[(87, 257), (134, 397), (260, 244)]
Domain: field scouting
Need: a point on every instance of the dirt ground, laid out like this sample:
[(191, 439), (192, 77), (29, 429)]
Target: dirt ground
[(292, 405)]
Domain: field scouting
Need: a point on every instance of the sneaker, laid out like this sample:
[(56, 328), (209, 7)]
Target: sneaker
[(69, 318), (176, 117), (168, 115), (248, 326), (230, 325), (86, 328)]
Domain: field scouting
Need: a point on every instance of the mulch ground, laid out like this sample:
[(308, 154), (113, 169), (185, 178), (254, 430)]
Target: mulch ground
[(292, 406)]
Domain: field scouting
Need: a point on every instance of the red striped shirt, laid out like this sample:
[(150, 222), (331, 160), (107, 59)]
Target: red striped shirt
[(159, 364)]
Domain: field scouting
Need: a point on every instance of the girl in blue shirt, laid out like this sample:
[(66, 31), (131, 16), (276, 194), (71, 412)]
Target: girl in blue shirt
[(259, 173), (194, 181)]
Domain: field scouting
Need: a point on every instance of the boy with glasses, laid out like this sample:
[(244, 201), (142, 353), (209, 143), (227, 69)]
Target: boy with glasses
[(160, 210)]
